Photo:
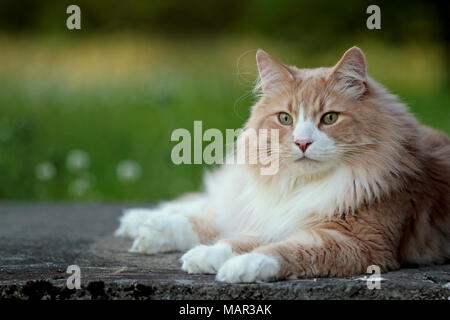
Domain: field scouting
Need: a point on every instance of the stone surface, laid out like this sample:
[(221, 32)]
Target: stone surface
[(39, 241)]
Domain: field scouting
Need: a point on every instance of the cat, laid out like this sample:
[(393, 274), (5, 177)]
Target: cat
[(360, 183)]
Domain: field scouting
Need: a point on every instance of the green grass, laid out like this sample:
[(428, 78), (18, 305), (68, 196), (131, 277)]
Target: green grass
[(121, 97)]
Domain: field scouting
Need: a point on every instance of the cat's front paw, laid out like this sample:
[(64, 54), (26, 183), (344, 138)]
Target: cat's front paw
[(165, 233), (206, 259), (249, 267)]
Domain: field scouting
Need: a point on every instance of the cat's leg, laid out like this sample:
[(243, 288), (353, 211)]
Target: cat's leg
[(132, 219), (313, 254), (208, 259), (178, 225), (175, 232)]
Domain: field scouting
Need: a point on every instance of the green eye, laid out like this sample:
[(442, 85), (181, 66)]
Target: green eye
[(285, 118), (329, 118)]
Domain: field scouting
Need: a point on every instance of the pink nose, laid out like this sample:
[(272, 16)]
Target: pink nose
[(303, 144)]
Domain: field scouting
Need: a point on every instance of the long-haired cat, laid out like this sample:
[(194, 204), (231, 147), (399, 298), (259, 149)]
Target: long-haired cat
[(360, 182)]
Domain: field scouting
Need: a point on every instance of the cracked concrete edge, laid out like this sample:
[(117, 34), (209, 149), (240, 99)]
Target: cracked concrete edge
[(287, 290)]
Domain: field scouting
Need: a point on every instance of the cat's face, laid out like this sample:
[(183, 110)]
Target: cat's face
[(322, 115)]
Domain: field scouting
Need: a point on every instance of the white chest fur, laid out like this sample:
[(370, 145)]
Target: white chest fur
[(274, 211)]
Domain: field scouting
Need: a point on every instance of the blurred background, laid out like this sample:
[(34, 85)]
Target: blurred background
[(87, 115)]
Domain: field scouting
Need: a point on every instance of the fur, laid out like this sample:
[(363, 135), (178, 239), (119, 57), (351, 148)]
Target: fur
[(373, 188)]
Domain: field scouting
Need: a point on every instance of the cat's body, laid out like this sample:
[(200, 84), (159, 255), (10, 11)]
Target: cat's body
[(370, 186)]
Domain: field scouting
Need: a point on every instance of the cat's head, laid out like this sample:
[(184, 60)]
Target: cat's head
[(326, 117)]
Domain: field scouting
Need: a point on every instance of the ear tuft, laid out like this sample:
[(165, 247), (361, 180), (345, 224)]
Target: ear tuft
[(273, 75), (350, 73)]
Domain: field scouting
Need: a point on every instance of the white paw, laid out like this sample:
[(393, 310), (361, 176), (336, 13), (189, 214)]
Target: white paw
[(206, 259), (164, 233), (249, 267), (132, 219)]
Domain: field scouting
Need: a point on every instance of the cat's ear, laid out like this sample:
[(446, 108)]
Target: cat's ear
[(273, 75), (349, 75)]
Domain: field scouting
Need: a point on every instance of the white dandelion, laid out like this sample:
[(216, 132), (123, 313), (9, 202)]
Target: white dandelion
[(128, 171), (80, 186), (45, 171), (77, 160)]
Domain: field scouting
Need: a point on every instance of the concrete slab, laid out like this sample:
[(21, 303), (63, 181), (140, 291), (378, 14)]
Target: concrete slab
[(39, 241)]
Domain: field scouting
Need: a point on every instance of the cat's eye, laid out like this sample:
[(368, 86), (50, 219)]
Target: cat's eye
[(285, 118), (329, 118)]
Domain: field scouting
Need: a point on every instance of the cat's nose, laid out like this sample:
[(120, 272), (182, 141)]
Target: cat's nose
[(303, 144)]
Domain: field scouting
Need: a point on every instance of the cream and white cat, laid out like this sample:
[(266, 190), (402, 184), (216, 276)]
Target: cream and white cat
[(360, 183)]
